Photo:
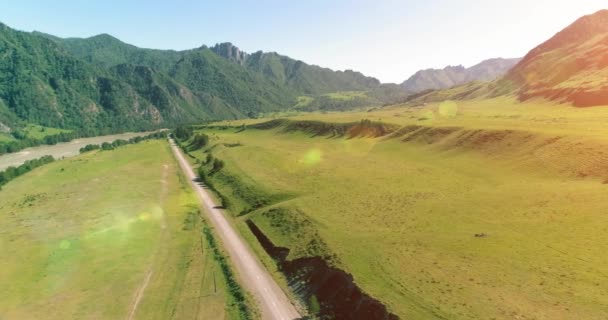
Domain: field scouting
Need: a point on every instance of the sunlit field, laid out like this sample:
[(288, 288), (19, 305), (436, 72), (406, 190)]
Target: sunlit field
[(107, 235), (497, 113), (486, 209)]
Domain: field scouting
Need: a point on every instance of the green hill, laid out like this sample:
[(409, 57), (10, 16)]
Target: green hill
[(101, 84)]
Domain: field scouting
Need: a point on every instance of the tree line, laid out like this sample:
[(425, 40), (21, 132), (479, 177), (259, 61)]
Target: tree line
[(121, 142), (13, 172), (22, 141)]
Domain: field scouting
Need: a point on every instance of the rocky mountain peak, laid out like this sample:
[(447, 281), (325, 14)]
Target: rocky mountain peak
[(231, 52)]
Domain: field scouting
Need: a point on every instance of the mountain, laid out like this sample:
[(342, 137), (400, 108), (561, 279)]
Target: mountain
[(435, 79), (229, 51), (570, 67), (305, 78), (106, 51), (42, 83), (101, 84), (238, 85), (294, 75)]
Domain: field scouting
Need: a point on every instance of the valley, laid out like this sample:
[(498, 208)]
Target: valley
[(430, 214), (285, 190)]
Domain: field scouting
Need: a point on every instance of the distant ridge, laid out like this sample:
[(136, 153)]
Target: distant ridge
[(435, 79), (571, 67)]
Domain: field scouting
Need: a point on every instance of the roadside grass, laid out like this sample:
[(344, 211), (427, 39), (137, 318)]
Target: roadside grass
[(80, 236), (437, 229)]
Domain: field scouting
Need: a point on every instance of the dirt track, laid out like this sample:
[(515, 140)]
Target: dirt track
[(273, 302)]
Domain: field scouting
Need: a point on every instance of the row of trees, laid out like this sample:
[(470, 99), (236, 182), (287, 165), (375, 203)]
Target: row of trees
[(13, 172), (183, 133), (118, 143), (22, 141)]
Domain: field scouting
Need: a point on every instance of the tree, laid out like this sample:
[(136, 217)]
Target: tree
[(106, 146), (217, 165), (183, 133), (200, 141), (209, 158)]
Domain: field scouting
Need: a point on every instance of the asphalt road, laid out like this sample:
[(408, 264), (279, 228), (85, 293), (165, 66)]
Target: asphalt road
[(271, 299)]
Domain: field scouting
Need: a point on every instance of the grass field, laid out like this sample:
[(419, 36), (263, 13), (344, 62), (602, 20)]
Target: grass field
[(402, 214), (346, 95), (33, 131), (6, 137), (107, 235)]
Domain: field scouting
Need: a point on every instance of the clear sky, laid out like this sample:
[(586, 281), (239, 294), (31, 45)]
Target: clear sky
[(387, 39)]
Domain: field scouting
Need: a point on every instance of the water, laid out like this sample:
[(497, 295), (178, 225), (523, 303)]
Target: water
[(60, 150)]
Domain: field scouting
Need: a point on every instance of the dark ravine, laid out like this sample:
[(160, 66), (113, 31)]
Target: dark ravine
[(312, 279)]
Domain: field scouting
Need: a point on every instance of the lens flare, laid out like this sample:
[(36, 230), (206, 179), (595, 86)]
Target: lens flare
[(448, 109), (65, 244), (313, 157), (427, 115), (144, 216)]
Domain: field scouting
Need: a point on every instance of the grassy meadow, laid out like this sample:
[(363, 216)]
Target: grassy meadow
[(37, 132), (487, 209), (108, 235)]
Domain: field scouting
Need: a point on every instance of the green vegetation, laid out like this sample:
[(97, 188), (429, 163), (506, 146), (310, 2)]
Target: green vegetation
[(83, 230), (435, 211), (290, 228), (106, 146), (13, 172), (101, 85), (33, 136), (37, 132), (337, 101), (240, 301)]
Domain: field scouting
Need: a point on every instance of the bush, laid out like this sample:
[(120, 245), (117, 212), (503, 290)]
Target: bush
[(209, 159), (217, 166), (200, 141), (201, 174), (106, 146), (89, 147)]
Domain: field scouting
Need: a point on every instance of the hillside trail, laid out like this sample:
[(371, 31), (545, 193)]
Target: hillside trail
[(139, 293)]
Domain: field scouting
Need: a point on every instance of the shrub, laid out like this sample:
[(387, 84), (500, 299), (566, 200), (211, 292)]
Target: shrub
[(217, 165), (106, 146), (199, 141), (90, 147), (209, 159)]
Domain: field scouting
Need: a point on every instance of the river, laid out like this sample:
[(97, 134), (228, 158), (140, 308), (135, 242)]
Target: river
[(60, 150)]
